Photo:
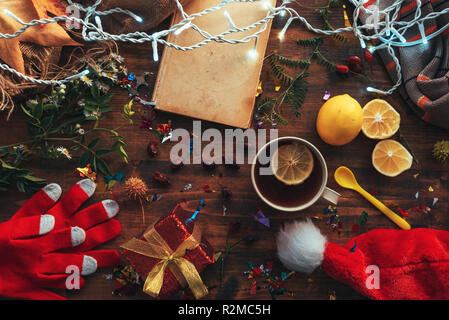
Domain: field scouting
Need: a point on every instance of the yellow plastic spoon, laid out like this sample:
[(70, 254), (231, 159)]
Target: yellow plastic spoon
[(346, 179)]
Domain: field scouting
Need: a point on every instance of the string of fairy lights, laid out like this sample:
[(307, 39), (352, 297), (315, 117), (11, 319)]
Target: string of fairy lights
[(380, 24)]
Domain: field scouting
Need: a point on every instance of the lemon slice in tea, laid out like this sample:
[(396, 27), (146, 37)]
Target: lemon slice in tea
[(292, 163)]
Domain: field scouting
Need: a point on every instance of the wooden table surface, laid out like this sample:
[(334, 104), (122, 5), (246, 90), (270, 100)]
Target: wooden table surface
[(399, 191)]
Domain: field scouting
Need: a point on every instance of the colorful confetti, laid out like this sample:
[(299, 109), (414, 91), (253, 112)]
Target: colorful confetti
[(195, 214), (404, 213), (335, 223), (87, 172), (353, 247), (275, 284), (127, 281), (259, 89), (434, 202), (187, 187), (260, 217), (326, 96), (330, 210), (119, 177)]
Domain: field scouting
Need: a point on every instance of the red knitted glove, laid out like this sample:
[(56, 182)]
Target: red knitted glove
[(28, 262), (96, 219)]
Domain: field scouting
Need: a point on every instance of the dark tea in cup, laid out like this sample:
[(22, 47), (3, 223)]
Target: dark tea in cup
[(282, 196)]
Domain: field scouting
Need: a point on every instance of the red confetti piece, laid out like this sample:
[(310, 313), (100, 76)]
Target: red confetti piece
[(253, 289), (257, 272), (404, 213), (206, 188)]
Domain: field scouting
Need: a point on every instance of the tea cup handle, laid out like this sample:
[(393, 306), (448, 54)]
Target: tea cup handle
[(331, 195)]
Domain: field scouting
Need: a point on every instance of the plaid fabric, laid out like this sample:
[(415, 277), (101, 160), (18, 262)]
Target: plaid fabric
[(425, 67)]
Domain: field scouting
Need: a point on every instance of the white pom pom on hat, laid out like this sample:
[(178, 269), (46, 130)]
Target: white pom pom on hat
[(301, 246)]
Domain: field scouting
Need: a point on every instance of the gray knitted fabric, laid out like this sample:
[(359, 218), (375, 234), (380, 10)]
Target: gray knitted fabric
[(425, 71)]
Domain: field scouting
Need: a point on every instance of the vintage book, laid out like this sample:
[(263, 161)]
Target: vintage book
[(217, 82)]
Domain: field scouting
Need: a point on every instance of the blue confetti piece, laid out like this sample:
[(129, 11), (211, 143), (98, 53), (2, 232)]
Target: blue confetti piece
[(353, 248), (119, 177), (198, 209)]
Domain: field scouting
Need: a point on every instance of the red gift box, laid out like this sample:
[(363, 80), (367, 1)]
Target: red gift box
[(174, 230)]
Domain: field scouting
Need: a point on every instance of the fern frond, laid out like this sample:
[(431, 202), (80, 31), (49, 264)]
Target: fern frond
[(279, 119), (297, 93), (334, 3), (309, 42), (323, 61), (291, 63), (339, 37), (279, 72), (264, 104)]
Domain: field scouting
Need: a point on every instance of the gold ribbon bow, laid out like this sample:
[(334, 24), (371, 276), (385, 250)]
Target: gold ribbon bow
[(183, 270)]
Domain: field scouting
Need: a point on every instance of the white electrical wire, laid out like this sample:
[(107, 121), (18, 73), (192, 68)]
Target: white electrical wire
[(386, 28)]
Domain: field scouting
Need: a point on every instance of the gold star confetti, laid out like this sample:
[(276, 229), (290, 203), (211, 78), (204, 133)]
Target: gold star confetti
[(347, 22), (259, 89)]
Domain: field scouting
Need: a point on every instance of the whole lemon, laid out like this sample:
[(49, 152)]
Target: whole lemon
[(339, 120)]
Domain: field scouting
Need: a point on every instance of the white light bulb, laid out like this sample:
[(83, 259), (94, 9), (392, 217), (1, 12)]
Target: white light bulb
[(266, 4), (98, 21), (397, 34), (362, 43), (138, 19), (423, 33), (155, 53), (228, 17), (79, 75), (253, 54), (284, 30)]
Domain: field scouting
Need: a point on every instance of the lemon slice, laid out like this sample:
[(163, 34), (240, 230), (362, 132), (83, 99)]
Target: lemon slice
[(380, 120), (292, 163), (391, 158)]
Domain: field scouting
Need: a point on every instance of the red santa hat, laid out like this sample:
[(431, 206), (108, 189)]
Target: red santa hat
[(380, 264)]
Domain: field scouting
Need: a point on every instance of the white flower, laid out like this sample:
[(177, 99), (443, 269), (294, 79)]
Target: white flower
[(31, 103), (117, 57), (64, 152), (110, 75), (86, 80), (92, 114), (104, 87), (81, 131)]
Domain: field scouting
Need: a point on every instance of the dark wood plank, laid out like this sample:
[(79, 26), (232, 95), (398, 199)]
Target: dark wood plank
[(355, 155)]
